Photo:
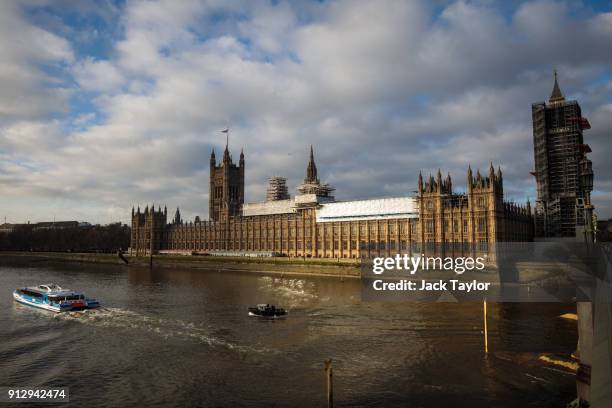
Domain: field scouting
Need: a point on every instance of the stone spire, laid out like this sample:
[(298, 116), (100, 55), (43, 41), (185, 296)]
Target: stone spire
[(311, 184), (226, 155), (420, 183), (556, 95), (528, 207), (470, 178), (311, 170)]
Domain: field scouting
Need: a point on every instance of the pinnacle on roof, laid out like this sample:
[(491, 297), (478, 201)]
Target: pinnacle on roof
[(311, 170), (226, 155), (556, 95)]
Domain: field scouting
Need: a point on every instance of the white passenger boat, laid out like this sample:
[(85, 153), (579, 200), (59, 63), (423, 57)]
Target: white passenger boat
[(53, 297)]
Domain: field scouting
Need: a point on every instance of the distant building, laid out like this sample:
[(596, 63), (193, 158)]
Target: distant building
[(313, 224), (56, 225), (560, 165), (45, 225), (8, 228)]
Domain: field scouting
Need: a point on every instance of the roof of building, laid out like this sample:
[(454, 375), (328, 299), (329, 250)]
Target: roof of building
[(56, 224), (283, 206), (382, 208), (556, 95), (268, 208)]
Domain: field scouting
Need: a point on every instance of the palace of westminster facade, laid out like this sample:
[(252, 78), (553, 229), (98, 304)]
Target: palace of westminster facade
[(314, 224)]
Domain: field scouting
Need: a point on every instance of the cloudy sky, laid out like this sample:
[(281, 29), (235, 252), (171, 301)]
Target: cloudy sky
[(105, 105)]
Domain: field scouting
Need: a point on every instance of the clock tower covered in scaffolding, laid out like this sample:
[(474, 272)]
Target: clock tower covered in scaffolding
[(562, 169)]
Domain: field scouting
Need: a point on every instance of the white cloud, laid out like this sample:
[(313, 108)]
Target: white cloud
[(98, 75), (23, 48), (381, 90), (271, 27)]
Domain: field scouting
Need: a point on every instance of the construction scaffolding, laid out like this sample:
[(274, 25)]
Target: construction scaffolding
[(277, 189), (559, 152)]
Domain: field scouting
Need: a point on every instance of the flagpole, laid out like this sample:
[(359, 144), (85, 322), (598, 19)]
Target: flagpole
[(226, 131)]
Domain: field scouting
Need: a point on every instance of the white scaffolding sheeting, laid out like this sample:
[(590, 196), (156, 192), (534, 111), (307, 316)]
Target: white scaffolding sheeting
[(268, 208), (383, 208)]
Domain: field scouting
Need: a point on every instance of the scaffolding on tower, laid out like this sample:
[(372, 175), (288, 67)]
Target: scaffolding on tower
[(277, 189)]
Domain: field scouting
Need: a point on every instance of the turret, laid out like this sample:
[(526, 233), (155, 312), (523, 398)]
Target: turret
[(213, 160), (470, 179), (528, 207), (226, 156), (420, 186)]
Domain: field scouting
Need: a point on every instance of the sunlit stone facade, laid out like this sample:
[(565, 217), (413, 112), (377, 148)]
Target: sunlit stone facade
[(313, 224)]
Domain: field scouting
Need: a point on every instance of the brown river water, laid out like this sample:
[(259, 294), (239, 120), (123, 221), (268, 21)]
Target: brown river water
[(181, 338)]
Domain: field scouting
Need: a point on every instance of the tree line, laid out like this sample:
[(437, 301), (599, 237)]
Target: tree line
[(93, 238)]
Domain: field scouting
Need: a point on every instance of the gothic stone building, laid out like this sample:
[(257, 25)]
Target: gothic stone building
[(562, 170), (226, 193), (479, 217), (314, 224)]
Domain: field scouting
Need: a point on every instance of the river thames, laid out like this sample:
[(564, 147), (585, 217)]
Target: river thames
[(171, 337)]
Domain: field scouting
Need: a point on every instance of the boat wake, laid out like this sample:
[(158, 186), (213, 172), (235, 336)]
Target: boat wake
[(166, 328), (292, 292)]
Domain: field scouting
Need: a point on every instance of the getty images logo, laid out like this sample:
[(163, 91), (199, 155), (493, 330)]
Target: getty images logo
[(413, 263)]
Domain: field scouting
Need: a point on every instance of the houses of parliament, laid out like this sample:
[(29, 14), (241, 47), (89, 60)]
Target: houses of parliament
[(314, 224)]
